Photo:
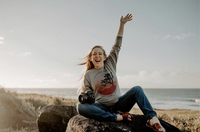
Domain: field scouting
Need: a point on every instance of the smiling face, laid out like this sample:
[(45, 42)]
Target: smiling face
[(97, 57)]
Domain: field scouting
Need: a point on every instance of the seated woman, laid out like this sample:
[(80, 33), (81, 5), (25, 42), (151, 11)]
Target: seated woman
[(100, 77)]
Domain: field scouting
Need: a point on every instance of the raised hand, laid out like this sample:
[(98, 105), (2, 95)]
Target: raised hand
[(125, 19)]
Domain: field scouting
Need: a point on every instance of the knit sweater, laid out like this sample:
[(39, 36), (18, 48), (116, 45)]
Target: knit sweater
[(103, 81)]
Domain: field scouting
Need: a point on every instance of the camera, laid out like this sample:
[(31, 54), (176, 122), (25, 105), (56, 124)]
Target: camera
[(87, 97)]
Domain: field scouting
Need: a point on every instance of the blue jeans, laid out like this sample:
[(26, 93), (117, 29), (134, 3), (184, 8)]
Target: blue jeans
[(126, 102)]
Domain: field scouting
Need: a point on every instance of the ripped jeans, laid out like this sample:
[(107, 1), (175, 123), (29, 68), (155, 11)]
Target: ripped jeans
[(126, 102)]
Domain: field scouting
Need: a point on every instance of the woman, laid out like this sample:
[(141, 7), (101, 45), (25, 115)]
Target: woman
[(100, 77)]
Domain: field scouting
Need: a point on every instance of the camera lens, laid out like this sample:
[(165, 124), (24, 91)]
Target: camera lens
[(81, 99)]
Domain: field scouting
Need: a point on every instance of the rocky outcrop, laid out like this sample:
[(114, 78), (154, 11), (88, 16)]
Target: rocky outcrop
[(81, 124), (54, 118), (62, 118)]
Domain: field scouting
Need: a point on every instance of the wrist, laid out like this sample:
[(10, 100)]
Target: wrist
[(122, 23)]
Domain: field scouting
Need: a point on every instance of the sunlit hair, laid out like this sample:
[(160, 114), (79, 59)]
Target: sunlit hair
[(88, 64)]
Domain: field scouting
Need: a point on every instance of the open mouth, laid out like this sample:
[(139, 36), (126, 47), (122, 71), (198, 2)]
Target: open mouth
[(97, 60)]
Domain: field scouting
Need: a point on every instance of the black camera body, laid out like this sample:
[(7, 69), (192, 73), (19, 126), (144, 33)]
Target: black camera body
[(87, 97)]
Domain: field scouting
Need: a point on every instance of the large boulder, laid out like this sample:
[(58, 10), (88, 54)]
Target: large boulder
[(82, 124), (54, 118)]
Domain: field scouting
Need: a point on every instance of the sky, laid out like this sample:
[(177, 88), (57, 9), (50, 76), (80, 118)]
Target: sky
[(42, 41)]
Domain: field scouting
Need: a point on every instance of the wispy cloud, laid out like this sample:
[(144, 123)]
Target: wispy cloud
[(167, 36), (54, 80), (11, 53), (11, 31), (142, 77), (178, 37), (161, 79), (1, 40), (67, 74), (183, 36), (7, 53), (25, 54)]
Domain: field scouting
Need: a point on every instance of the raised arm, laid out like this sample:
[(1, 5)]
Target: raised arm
[(123, 20), (113, 56)]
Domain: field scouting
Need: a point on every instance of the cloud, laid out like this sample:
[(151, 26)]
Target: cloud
[(178, 37), (12, 31), (25, 54), (54, 80), (161, 79), (183, 36), (141, 77), (167, 36), (7, 53), (1, 40), (67, 74)]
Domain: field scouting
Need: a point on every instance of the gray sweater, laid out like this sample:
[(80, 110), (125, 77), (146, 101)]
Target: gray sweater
[(103, 81)]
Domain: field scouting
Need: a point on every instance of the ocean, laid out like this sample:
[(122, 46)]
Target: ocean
[(159, 98)]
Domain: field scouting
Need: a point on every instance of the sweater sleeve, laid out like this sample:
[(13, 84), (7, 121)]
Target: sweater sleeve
[(86, 83), (113, 56)]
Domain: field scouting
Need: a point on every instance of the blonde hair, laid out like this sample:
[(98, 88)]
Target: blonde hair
[(89, 65)]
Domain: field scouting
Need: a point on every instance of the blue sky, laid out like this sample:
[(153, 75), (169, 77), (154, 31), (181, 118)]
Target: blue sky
[(42, 41)]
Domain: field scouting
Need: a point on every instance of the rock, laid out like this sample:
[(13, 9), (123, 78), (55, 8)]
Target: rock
[(82, 124), (54, 118)]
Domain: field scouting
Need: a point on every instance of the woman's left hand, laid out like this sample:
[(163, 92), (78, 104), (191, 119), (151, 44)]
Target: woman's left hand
[(125, 19)]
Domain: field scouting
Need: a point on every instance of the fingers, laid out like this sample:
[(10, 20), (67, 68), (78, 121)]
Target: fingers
[(129, 16)]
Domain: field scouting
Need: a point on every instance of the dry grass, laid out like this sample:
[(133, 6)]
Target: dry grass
[(18, 112), (185, 120)]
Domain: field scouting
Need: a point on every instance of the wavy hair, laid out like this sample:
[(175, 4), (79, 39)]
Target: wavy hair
[(88, 64)]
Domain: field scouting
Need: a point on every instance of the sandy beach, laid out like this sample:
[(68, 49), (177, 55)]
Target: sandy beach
[(18, 112)]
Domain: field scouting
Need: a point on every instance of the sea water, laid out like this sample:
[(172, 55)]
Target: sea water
[(159, 98)]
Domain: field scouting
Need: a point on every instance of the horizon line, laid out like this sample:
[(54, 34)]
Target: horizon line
[(76, 88)]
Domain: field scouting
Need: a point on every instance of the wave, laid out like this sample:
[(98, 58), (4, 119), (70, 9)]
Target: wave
[(195, 105), (196, 100)]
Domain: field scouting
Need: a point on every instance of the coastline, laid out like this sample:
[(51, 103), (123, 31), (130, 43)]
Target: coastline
[(20, 112), (159, 98)]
